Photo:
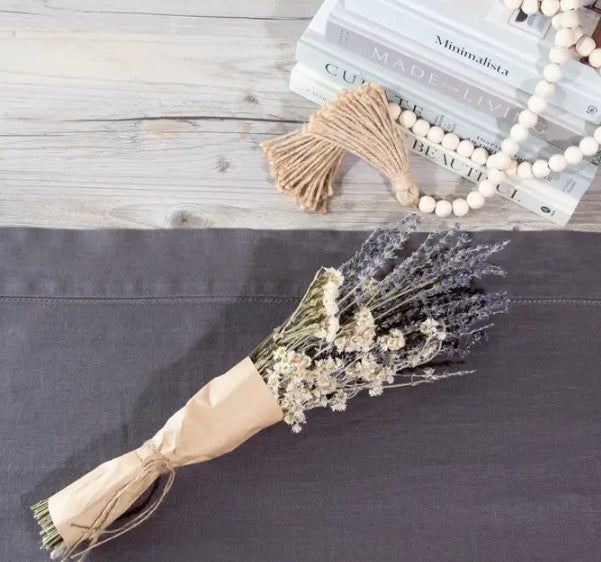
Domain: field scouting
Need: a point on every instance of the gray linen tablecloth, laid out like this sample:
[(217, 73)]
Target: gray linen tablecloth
[(105, 334)]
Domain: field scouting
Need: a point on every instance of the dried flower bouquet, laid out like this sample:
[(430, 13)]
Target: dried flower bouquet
[(382, 320)]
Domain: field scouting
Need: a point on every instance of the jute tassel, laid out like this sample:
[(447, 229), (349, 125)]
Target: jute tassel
[(304, 167), (304, 162)]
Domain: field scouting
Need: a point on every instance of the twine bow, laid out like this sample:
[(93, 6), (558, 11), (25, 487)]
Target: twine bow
[(304, 162), (154, 465)]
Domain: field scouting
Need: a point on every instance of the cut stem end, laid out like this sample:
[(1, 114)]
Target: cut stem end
[(51, 539)]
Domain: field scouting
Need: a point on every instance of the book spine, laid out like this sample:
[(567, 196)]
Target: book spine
[(408, 66), (528, 195), (336, 69), (467, 47)]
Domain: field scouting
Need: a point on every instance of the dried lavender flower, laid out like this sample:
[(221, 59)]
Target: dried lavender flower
[(380, 319)]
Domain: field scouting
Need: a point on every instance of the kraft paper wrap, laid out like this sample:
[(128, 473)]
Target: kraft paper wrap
[(222, 415)]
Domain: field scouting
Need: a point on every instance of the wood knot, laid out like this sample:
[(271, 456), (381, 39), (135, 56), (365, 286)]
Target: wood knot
[(178, 216), (222, 164)]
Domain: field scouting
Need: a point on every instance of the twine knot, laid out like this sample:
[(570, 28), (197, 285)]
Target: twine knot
[(151, 457), (153, 465), (405, 189)]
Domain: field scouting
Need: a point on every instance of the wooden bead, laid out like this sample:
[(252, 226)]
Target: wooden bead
[(570, 19), (460, 207), (435, 135), (443, 209), (597, 134), (589, 146), (585, 46), (549, 7), (556, 20), (552, 73), (450, 141), (594, 58), (559, 55), (525, 171), (496, 176), (513, 169), (394, 110), (498, 161), (545, 89), (465, 148), (519, 133), (427, 204), (491, 163), (558, 163), (530, 7), (479, 156), (527, 118), (537, 104), (487, 188), (510, 147), (540, 169), (565, 37), (570, 5), (421, 128), (475, 199), (573, 155), (407, 119)]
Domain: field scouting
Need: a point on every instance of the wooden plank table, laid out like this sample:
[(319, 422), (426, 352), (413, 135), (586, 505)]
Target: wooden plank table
[(149, 114)]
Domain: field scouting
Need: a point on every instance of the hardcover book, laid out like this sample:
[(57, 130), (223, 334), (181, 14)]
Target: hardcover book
[(533, 195), (332, 64), (487, 37), (414, 62)]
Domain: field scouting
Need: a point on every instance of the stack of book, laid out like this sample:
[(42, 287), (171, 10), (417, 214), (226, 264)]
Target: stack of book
[(468, 66)]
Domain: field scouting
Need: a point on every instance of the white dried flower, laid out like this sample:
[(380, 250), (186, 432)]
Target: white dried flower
[(332, 329), (392, 341), (388, 373), (429, 327), (330, 323), (334, 275), (360, 335), (338, 401), (376, 390), (273, 382), (433, 329)]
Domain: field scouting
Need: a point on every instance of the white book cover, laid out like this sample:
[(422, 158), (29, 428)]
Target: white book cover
[(417, 63), (333, 64), (555, 206), (485, 36)]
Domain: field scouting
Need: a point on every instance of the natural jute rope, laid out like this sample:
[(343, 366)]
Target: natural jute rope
[(154, 466), (304, 162)]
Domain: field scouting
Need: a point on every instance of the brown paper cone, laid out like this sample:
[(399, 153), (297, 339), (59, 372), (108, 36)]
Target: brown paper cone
[(222, 415)]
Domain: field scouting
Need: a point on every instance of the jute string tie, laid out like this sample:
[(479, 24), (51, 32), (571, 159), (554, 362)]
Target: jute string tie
[(154, 465)]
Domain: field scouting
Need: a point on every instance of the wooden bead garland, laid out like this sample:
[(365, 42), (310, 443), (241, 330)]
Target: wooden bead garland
[(502, 165)]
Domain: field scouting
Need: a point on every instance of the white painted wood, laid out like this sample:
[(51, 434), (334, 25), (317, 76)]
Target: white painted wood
[(230, 71), (148, 114), (74, 14)]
